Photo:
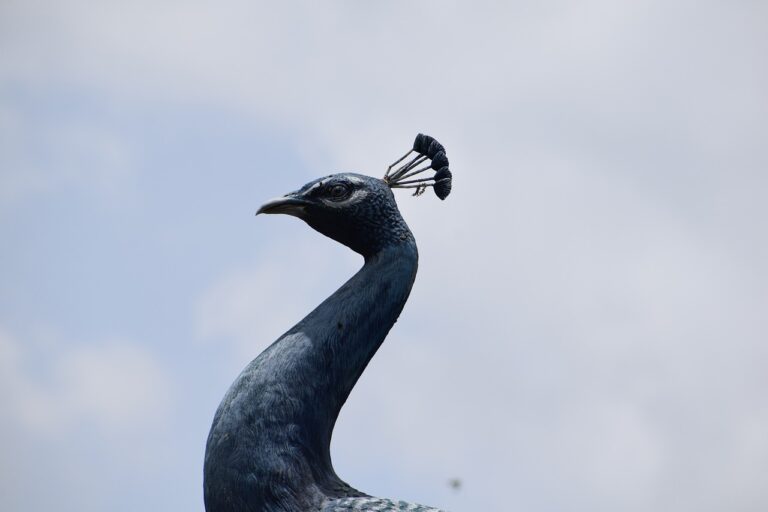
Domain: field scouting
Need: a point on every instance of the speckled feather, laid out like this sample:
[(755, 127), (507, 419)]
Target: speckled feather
[(374, 504)]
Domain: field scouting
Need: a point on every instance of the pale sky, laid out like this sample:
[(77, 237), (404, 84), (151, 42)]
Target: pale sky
[(589, 327)]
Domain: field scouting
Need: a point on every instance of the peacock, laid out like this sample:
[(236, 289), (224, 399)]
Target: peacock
[(269, 446)]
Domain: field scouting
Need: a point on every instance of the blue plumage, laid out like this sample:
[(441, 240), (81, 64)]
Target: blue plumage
[(268, 448)]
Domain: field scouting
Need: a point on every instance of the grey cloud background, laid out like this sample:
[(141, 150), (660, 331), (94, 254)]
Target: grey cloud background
[(588, 327)]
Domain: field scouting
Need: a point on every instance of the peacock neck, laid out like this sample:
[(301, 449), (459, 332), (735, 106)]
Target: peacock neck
[(342, 335), (269, 445)]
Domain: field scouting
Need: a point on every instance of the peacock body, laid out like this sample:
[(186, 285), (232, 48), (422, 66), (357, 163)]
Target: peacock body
[(269, 445)]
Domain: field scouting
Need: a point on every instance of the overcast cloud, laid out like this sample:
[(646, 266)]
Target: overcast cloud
[(588, 329)]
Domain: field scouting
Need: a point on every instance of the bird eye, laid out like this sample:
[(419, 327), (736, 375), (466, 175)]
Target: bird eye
[(338, 191)]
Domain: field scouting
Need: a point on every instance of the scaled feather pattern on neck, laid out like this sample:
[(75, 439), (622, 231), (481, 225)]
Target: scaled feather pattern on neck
[(269, 445)]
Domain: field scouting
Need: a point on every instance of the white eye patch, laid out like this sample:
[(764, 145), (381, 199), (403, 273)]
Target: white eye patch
[(314, 187), (356, 196)]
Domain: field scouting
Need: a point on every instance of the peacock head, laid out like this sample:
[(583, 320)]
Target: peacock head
[(360, 211)]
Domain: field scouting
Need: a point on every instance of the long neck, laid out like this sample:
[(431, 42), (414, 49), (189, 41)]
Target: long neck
[(343, 334), (270, 439)]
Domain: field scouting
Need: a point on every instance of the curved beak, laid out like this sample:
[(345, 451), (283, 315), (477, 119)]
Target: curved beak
[(289, 205)]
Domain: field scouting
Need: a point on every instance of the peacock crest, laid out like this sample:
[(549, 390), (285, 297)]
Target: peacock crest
[(426, 148)]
